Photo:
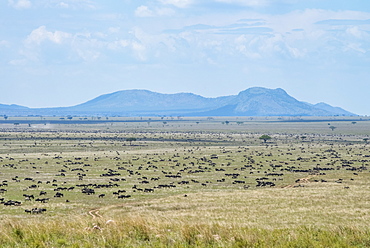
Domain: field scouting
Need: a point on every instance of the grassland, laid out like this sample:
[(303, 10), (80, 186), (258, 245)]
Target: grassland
[(185, 182)]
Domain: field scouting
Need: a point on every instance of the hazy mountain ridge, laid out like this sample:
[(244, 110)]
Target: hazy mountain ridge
[(261, 102), (11, 106), (329, 108), (256, 101), (144, 100)]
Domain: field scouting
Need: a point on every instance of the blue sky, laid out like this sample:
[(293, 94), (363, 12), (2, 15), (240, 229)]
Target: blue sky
[(62, 53)]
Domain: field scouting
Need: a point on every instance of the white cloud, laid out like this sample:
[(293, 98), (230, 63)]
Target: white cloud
[(3, 43), (145, 11), (357, 32), (117, 45), (178, 3), (35, 50), (88, 54), (291, 36), (294, 35), (18, 62), (87, 46), (40, 34), (165, 12), (355, 47), (69, 4), (114, 30), (139, 50), (245, 45), (63, 5), (251, 3), (20, 4)]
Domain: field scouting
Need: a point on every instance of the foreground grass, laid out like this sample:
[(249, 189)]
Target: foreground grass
[(312, 216), (319, 198), (152, 232)]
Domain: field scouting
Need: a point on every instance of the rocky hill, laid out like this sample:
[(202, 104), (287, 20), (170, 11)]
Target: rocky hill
[(256, 101)]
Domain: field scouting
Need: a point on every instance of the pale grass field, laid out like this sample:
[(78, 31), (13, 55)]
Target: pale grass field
[(307, 213), (266, 208)]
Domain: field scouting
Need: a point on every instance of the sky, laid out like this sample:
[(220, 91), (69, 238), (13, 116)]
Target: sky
[(62, 53)]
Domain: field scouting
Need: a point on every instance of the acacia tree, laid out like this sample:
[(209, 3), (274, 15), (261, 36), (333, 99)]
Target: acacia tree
[(332, 128), (265, 138), (131, 140)]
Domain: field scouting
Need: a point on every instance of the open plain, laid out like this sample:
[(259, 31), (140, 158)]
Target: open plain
[(184, 182)]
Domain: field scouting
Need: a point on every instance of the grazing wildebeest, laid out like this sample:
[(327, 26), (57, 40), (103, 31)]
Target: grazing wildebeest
[(12, 203), (43, 200), (28, 197), (124, 196), (88, 191), (58, 194), (38, 210)]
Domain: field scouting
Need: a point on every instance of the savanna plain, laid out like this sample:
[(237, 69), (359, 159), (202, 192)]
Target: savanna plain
[(184, 182)]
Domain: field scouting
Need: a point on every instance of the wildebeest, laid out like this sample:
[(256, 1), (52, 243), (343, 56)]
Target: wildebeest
[(28, 197), (12, 203), (124, 196), (88, 191), (35, 210), (58, 194)]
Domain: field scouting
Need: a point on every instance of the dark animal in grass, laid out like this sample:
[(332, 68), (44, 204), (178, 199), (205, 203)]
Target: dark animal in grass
[(264, 184), (12, 203), (58, 194), (88, 191), (124, 196), (28, 197), (35, 210)]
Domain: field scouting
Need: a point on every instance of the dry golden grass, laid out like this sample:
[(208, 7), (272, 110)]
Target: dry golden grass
[(315, 206), (319, 210)]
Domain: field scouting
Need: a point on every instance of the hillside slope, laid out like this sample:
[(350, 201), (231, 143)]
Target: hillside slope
[(256, 101)]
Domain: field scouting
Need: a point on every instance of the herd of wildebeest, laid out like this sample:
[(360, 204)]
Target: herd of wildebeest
[(76, 168)]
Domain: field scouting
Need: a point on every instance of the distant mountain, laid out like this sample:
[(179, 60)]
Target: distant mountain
[(12, 106), (144, 101), (259, 101), (256, 101), (336, 110), (12, 109)]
